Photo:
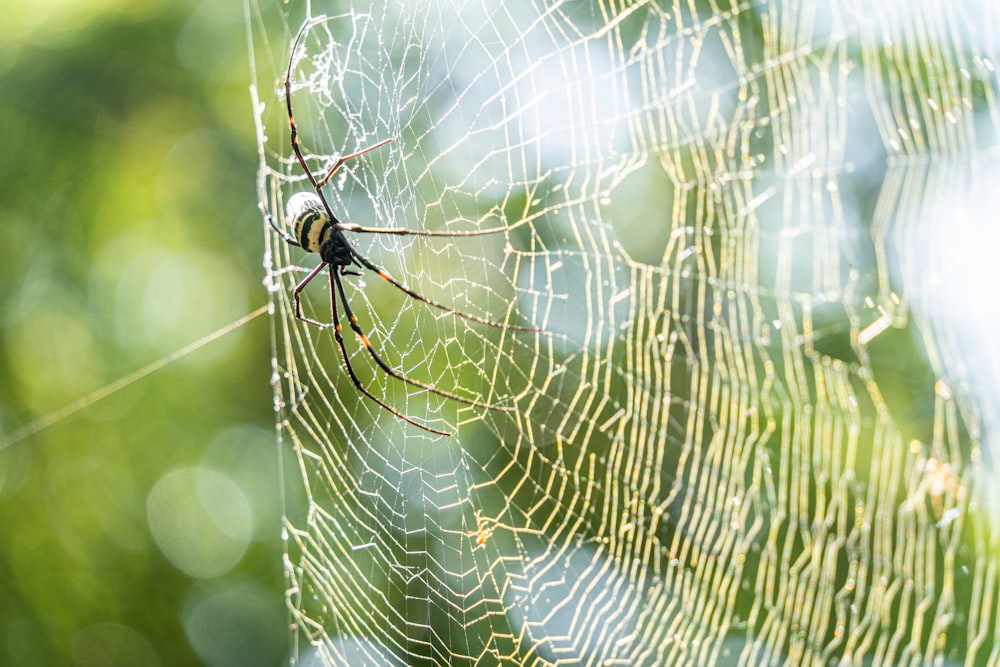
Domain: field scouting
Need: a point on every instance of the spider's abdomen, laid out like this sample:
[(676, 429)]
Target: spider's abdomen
[(308, 221)]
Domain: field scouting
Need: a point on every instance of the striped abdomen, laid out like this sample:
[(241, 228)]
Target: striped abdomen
[(308, 221)]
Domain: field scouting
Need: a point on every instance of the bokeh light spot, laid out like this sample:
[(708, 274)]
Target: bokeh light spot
[(201, 521)]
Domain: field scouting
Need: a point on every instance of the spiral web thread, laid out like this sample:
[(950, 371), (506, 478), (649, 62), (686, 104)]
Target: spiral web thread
[(756, 426)]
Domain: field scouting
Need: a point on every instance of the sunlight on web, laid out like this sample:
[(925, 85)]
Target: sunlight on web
[(755, 425)]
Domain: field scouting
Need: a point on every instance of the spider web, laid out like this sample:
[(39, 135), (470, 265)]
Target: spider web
[(756, 425)]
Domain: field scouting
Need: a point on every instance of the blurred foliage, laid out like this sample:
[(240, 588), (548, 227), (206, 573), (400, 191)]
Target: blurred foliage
[(129, 228)]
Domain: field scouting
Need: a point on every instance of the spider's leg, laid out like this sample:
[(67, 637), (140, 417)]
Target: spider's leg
[(384, 275), (399, 231), (294, 132), (296, 295), (293, 128), (396, 374), (340, 162), (335, 278), (283, 233)]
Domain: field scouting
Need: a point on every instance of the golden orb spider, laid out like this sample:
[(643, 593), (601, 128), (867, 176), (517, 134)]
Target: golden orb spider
[(313, 227)]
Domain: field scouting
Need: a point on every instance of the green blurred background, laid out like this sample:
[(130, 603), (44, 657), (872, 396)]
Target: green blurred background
[(143, 530)]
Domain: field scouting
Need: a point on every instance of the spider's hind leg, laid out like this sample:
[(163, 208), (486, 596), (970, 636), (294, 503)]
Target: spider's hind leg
[(384, 275), (335, 278), (297, 297), (390, 371)]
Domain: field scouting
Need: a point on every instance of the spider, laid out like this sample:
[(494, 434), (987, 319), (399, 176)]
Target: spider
[(313, 227)]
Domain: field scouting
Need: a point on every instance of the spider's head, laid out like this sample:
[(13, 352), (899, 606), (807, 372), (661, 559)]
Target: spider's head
[(307, 220)]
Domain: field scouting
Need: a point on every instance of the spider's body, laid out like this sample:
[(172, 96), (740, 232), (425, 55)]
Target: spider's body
[(314, 231), (311, 225)]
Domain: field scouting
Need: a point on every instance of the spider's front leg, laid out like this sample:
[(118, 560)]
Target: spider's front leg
[(340, 162)]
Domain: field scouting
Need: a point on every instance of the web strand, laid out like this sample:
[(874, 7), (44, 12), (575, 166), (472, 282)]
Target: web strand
[(84, 402), (718, 416)]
